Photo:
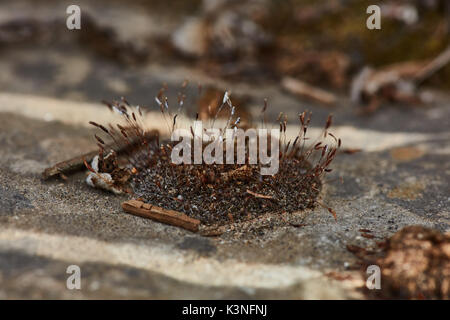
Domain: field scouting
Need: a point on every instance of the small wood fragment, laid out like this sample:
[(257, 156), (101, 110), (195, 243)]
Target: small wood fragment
[(71, 165), (258, 195), (339, 276), (367, 235), (330, 210), (78, 163), (436, 64), (303, 89), (355, 249), (397, 82), (351, 150), (297, 225), (212, 232), (159, 214)]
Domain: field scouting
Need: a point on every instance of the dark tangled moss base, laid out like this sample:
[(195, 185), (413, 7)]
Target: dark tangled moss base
[(218, 194)]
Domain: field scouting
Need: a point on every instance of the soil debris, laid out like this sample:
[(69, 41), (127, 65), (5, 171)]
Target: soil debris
[(415, 264)]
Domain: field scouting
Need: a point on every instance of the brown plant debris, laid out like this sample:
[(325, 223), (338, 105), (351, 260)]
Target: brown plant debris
[(351, 150), (324, 67), (78, 163), (106, 174), (71, 165), (171, 217), (305, 90), (339, 276), (416, 264), (258, 195), (395, 83)]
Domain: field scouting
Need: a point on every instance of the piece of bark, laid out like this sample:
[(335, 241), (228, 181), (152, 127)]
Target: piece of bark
[(77, 163), (303, 89), (436, 64), (71, 165), (217, 232), (351, 150), (159, 214), (258, 195)]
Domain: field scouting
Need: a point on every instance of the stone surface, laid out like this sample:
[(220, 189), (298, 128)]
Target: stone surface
[(400, 178)]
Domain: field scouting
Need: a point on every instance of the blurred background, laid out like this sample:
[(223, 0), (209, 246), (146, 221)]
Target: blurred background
[(316, 55)]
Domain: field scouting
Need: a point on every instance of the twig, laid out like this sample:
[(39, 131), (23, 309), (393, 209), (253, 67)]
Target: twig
[(74, 164), (351, 150), (77, 163), (258, 195), (171, 217), (303, 89), (213, 232), (436, 64)]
